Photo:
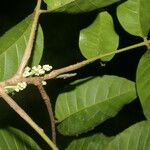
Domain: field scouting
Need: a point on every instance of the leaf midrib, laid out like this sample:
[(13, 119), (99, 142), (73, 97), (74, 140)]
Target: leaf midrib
[(93, 105)]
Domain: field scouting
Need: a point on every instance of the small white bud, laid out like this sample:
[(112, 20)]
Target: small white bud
[(27, 69), (41, 71), (17, 89), (21, 86), (47, 67), (37, 70), (44, 82), (27, 72), (37, 74), (39, 67), (24, 85), (34, 68)]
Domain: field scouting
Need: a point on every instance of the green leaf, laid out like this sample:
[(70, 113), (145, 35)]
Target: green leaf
[(143, 83), (13, 44), (94, 142), (14, 139), (99, 38), (134, 17), (77, 6), (87, 103), (136, 137)]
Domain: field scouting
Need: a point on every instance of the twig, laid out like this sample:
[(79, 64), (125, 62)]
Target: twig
[(48, 104), (67, 75), (18, 75), (27, 118), (45, 11), (57, 72), (73, 67), (53, 74), (30, 43), (147, 43)]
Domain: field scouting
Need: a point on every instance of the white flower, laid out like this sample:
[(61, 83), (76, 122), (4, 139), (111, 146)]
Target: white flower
[(47, 67), (36, 70), (27, 72), (20, 86), (41, 71), (17, 89), (27, 69), (44, 82)]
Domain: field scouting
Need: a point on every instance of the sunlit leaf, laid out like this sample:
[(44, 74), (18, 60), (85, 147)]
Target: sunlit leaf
[(13, 44), (87, 103), (77, 6), (14, 139), (134, 17), (99, 38)]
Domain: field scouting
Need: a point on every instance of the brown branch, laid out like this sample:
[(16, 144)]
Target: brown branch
[(57, 72), (26, 117), (35, 80), (18, 76), (48, 104), (67, 75), (30, 43)]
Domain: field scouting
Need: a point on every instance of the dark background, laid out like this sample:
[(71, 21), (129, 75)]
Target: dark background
[(61, 33)]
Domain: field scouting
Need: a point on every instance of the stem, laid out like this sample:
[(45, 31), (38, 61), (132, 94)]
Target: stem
[(48, 104), (147, 43), (30, 43), (27, 118), (65, 76), (57, 72)]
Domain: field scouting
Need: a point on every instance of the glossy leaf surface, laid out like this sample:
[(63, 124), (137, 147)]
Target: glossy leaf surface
[(14, 139), (99, 38), (13, 44), (77, 6), (143, 83), (95, 142), (134, 17), (87, 103), (136, 137)]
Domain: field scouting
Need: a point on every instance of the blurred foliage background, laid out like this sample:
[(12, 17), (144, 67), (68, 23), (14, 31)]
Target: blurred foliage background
[(61, 33)]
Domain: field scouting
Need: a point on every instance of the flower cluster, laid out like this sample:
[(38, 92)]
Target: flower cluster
[(36, 70), (19, 87), (44, 82)]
